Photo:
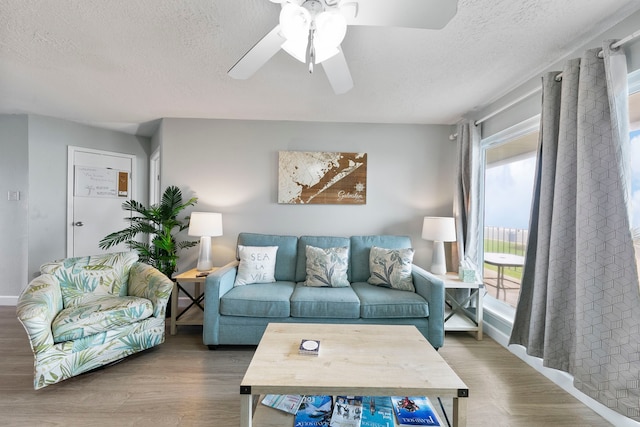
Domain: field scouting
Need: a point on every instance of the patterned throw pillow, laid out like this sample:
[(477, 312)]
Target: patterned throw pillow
[(257, 265), (327, 267), (391, 268)]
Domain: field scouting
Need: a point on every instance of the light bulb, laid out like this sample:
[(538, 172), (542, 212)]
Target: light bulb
[(295, 22)]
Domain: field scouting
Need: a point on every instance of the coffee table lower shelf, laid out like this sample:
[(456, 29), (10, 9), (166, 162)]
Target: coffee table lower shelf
[(363, 360), (264, 416)]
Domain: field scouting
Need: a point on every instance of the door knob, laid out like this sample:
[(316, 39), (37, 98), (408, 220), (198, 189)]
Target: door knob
[(78, 224)]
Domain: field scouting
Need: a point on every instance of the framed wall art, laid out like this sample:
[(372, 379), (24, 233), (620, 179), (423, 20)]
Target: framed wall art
[(322, 178)]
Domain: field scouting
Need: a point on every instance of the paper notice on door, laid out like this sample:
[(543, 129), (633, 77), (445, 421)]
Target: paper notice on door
[(96, 182)]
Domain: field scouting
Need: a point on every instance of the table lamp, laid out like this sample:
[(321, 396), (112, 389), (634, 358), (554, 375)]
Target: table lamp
[(205, 225), (439, 230)]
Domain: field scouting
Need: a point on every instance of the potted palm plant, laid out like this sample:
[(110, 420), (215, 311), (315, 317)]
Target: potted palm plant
[(161, 223)]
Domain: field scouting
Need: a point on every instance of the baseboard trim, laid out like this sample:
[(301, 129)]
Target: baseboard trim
[(8, 300)]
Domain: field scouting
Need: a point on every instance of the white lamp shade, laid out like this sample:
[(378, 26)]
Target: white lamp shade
[(296, 49), (439, 229), (205, 224), (331, 27), (295, 22)]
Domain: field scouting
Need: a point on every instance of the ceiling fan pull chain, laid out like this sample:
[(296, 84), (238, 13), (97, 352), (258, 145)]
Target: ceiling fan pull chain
[(312, 51)]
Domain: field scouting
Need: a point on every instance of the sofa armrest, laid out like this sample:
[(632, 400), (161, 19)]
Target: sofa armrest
[(38, 304), (145, 281), (217, 284), (431, 288)]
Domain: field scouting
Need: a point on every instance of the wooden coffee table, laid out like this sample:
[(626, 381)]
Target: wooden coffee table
[(368, 360)]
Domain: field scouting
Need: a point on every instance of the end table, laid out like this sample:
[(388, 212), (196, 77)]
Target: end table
[(193, 314), (457, 318)]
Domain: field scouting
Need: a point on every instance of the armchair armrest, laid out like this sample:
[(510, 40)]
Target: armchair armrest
[(38, 305), (217, 284), (146, 281), (432, 289)]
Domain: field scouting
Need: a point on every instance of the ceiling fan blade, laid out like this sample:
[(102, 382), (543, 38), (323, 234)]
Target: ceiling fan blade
[(258, 55), (425, 14), (338, 73)]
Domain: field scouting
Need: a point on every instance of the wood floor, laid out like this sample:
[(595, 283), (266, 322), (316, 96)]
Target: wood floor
[(182, 383)]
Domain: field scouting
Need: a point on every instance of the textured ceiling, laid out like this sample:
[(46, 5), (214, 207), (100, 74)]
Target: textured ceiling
[(122, 63)]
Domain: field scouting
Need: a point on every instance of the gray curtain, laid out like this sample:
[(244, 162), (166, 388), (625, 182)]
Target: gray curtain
[(579, 306), (466, 202)]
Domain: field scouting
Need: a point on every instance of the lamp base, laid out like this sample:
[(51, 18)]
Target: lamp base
[(204, 258), (438, 262)]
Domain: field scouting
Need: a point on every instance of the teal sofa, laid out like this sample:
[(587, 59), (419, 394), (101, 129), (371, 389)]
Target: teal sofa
[(239, 315)]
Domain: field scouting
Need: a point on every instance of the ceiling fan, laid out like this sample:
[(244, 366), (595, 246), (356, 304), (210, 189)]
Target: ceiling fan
[(312, 31)]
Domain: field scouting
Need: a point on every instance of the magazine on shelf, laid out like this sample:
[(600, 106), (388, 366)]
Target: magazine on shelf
[(284, 402), (347, 411), (415, 411), (377, 412), (314, 411)]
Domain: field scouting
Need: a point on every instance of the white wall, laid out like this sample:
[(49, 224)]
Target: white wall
[(48, 141), (232, 167), (14, 176)]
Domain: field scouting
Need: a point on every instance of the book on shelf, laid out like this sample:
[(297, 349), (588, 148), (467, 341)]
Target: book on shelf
[(284, 402), (415, 411), (314, 411), (347, 411), (310, 347), (377, 412)]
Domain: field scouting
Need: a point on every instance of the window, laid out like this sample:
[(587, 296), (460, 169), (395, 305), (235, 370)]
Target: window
[(634, 128), (634, 152), (509, 172)]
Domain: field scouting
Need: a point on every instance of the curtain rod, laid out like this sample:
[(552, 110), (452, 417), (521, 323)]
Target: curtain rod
[(615, 45), (500, 110)]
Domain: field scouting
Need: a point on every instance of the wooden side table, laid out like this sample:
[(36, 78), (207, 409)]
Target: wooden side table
[(193, 314), (457, 318)]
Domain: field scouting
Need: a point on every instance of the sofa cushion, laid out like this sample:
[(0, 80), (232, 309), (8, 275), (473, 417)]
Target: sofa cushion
[(333, 303), (384, 303), (361, 247), (257, 265), (259, 300), (286, 256), (99, 313), (391, 268), (105, 274), (327, 267)]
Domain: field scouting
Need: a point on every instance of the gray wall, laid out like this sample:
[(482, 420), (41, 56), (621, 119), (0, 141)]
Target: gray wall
[(14, 176), (232, 167), (48, 142), (34, 162)]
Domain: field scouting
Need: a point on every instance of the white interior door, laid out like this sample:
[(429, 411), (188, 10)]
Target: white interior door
[(98, 183), (154, 178)]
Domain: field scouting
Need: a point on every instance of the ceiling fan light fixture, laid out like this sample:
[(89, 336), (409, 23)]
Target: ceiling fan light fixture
[(295, 22), (296, 49), (330, 30)]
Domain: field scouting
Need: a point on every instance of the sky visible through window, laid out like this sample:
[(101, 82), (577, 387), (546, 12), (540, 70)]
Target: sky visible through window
[(508, 192), (509, 188), (635, 178)]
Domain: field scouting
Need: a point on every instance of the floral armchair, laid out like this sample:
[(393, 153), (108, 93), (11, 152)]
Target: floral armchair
[(83, 313)]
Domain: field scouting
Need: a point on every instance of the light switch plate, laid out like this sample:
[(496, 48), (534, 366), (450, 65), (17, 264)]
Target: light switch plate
[(13, 196)]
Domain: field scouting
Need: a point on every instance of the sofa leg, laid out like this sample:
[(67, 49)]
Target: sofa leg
[(212, 347)]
